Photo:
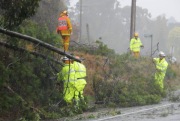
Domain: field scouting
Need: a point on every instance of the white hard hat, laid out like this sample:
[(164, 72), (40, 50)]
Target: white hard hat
[(161, 53), (65, 58)]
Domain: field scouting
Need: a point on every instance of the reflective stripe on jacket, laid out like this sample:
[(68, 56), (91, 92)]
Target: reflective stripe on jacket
[(67, 74), (62, 23), (80, 70), (66, 32)]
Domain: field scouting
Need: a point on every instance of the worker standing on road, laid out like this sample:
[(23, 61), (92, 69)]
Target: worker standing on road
[(80, 71), (135, 45), (161, 67), (67, 75), (64, 29)]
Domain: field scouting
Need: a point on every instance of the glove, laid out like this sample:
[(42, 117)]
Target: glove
[(142, 46), (58, 31), (70, 31), (158, 70)]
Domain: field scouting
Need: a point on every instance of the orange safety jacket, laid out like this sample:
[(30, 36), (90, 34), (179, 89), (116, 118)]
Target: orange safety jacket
[(62, 23)]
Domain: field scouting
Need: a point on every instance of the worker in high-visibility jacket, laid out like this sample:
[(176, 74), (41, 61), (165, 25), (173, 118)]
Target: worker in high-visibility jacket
[(80, 71), (161, 67), (64, 29), (67, 75), (135, 45)]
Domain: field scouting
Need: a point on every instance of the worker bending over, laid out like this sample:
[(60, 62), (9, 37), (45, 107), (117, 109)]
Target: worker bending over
[(67, 75), (64, 29), (135, 45), (80, 71)]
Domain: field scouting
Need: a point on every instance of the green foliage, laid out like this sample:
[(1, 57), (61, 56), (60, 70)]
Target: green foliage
[(42, 33), (132, 84), (14, 12), (29, 79), (31, 28), (170, 74), (128, 83), (25, 84), (31, 91), (91, 116), (103, 49), (3, 72)]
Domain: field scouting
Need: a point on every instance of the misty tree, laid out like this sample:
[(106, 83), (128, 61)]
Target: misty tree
[(144, 26), (160, 32), (107, 19), (102, 18), (143, 19), (48, 13), (13, 12), (97, 15), (174, 40)]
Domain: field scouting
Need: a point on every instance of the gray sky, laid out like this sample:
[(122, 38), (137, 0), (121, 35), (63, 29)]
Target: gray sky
[(156, 7)]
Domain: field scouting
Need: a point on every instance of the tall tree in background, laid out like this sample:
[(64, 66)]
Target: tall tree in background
[(48, 13), (13, 12), (112, 22), (174, 41), (101, 20), (143, 19), (160, 32)]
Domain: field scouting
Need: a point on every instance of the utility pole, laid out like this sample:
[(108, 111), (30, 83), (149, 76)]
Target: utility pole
[(133, 18), (80, 26), (87, 29)]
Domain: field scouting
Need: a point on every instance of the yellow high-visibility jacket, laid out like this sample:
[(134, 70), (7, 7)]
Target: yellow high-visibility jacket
[(135, 45), (80, 70), (161, 67), (67, 74)]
